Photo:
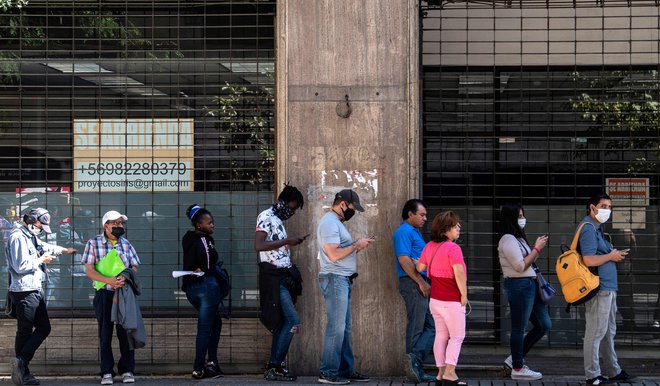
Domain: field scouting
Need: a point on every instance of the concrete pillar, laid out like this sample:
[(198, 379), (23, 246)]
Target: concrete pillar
[(367, 50)]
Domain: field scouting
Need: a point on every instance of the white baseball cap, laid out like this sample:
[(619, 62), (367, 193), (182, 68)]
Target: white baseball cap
[(112, 216)]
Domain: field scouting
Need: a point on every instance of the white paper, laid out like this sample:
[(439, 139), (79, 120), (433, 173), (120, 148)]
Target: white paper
[(176, 274)]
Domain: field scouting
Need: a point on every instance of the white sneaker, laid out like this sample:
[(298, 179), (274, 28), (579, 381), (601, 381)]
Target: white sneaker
[(508, 362), (107, 379), (526, 374), (128, 377)]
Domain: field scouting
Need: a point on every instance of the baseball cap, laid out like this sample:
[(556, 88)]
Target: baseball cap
[(112, 216), (41, 215), (352, 198)]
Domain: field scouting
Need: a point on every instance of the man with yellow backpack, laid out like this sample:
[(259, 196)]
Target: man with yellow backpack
[(600, 311)]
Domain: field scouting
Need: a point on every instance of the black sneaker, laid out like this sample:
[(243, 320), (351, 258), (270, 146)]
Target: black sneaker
[(357, 377), (30, 380), (279, 374), (333, 380), (599, 380), (17, 370), (213, 368), (624, 377)]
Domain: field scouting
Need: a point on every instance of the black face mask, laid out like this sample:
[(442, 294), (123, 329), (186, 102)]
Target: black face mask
[(117, 231), (282, 210), (348, 213)]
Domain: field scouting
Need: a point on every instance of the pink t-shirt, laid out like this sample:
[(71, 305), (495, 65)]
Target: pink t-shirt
[(441, 271)]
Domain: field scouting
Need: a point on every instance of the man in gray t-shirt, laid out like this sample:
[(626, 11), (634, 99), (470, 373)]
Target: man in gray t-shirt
[(337, 257)]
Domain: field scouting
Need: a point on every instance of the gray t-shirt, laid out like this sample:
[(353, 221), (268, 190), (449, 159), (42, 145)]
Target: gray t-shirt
[(332, 231)]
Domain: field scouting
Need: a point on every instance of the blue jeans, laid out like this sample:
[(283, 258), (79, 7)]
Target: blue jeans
[(282, 338), (103, 311), (525, 306), (205, 298), (32, 323), (420, 331), (337, 357)]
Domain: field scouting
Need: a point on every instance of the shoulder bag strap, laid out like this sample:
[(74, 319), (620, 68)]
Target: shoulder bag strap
[(428, 270)]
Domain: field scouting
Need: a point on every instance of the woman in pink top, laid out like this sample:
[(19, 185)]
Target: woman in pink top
[(447, 271)]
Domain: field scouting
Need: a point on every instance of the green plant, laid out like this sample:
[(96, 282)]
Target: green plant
[(245, 122), (6, 5), (117, 29), (626, 103)]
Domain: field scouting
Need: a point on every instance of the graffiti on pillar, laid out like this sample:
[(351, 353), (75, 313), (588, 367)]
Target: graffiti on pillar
[(363, 182)]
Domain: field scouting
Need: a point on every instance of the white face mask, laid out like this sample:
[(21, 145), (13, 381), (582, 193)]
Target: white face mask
[(603, 215), (522, 222), (34, 229)]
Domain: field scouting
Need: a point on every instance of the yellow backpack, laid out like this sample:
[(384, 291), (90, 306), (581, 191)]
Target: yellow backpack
[(578, 283)]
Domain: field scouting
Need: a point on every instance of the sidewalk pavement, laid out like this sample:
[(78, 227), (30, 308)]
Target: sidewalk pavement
[(252, 380)]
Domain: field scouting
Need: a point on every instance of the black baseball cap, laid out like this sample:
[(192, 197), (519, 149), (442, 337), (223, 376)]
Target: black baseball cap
[(352, 198)]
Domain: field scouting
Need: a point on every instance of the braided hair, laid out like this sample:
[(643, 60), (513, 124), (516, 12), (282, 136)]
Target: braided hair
[(290, 193)]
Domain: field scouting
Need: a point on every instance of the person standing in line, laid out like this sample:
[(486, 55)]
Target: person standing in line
[(516, 259), (414, 287), (338, 268), (279, 279), (443, 260), (27, 257), (600, 311), (97, 248), (203, 292)]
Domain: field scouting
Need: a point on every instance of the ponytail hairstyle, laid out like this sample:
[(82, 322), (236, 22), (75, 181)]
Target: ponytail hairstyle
[(195, 212)]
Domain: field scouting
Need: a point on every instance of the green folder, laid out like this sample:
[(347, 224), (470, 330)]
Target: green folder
[(110, 265)]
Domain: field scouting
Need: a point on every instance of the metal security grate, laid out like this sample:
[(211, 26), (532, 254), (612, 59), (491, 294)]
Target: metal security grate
[(180, 94), (544, 103)]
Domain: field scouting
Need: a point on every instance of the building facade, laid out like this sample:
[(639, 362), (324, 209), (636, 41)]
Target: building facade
[(149, 106)]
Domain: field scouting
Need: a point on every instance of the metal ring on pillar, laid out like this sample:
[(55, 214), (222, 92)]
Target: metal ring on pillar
[(344, 108)]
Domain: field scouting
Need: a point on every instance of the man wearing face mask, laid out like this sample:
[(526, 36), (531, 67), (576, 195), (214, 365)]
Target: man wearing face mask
[(338, 261), (27, 257), (97, 247), (600, 311), (280, 282)]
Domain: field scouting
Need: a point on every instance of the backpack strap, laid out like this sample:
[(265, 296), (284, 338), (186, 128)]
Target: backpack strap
[(576, 238)]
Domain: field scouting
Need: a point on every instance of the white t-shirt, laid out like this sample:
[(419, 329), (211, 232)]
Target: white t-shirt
[(268, 222)]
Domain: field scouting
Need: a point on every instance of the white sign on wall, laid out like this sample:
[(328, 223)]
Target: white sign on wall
[(137, 155)]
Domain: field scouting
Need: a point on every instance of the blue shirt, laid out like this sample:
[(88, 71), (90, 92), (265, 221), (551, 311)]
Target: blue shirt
[(332, 231), (407, 241), (592, 242)]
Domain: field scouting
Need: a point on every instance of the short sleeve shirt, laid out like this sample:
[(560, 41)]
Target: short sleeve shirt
[(592, 242), (332, 231), (272, 225), (408, 241), (440, 259)]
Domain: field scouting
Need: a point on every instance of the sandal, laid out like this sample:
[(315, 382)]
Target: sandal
[(456, 382)]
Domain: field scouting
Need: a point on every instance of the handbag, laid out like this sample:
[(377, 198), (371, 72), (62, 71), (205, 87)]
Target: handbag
[(544, 290)]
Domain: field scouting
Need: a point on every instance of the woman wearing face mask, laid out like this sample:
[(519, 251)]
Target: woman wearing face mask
[(448, 274), (516, 259), (203, 292)]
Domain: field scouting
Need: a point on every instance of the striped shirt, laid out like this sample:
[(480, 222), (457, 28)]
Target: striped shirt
[(99, 246)]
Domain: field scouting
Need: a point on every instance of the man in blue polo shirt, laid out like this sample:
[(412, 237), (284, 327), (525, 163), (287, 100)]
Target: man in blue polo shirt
[(600, 311), (414, 288)]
